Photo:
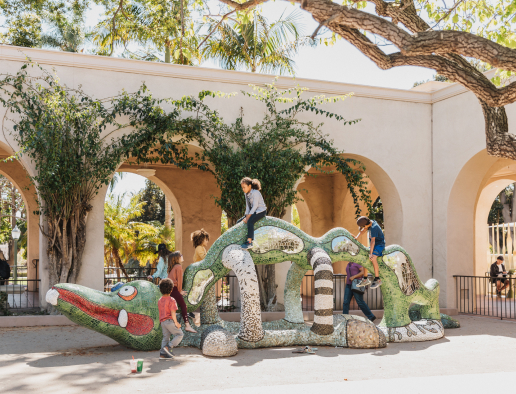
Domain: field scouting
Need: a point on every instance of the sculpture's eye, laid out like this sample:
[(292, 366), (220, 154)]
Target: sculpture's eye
[(128, 293)]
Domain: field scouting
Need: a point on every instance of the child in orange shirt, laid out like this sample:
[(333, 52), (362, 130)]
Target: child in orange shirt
[(175, 273), (167, 316)]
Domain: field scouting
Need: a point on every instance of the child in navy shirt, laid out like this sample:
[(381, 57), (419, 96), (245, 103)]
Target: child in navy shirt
[(377, 242)]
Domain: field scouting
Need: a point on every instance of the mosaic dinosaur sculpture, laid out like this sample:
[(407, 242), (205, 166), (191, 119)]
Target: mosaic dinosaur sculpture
[(130, 315)]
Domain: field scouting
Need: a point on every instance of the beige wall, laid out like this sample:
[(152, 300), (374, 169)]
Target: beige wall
[(424, 153)]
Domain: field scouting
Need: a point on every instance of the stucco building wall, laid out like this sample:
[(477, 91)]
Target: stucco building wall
[(424, 152)]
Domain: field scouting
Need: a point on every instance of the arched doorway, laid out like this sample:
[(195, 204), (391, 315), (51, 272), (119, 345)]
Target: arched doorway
[(28, 273), (138, 215)]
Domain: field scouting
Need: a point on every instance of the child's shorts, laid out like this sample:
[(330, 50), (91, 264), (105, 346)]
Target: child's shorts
[(378, 250)]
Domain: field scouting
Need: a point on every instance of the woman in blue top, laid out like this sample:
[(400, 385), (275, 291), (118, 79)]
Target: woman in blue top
[(162, 268), (377, 242), (255, 208)]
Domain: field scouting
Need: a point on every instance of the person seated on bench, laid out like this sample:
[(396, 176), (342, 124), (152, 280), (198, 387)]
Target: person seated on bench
[(499, 276)]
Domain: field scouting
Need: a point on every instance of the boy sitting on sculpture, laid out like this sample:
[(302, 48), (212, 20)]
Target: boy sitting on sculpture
[(377, 246)]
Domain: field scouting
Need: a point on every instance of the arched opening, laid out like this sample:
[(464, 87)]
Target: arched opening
[(18, 207), (466, 231), (138, 216), (328, 203)]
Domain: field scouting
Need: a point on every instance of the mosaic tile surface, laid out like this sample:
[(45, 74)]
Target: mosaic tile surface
[(130, 315), (448, 321), (218, 342), (400, 288)]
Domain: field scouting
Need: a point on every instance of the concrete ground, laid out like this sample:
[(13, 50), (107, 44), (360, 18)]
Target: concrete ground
[(72, 359)]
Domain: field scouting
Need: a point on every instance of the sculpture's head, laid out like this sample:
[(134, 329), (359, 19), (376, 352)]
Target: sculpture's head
[(129, 315)]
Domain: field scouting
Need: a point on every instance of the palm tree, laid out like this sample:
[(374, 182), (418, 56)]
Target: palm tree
[(162, 27), (251, 42), (67, 29), (124, 238), (117, 177)]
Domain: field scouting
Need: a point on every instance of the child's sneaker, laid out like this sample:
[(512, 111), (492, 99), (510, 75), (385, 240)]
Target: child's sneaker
[(189, 328), (247, 245), (165, 353), (376, 283), (364, 282)]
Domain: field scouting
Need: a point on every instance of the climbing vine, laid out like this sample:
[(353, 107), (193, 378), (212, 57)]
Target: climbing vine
[(75, 145)]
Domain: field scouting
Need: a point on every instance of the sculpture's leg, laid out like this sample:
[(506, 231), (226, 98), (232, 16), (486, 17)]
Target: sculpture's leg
[(293, 308), (323, 281), (241, 262), (209, 312), (430, 310)]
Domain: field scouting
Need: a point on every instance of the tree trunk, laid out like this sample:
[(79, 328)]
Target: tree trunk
[(119, 262), (498, 140), (168, 213)]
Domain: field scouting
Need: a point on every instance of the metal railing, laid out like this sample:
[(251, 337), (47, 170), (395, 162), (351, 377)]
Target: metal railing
[(19, 295), (113, 275), (228, 296), (477, 295), (228, 291), (373, 298)]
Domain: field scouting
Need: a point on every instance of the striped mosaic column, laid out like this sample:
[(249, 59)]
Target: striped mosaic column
[(323, 272)]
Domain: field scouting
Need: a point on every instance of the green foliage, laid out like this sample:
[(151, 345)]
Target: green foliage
[(376, 212), (495, 213), (251, 42), (154, 24), (126, 238), (70, 138), (223, 223), (24, 22), (278, 150), (295, 217), (436, 77), (67, 31), (13, 213), (154, 208), (23, 31)]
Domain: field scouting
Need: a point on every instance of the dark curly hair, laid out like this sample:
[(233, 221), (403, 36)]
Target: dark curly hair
[(199, 236), (165, 286), (255, 183)]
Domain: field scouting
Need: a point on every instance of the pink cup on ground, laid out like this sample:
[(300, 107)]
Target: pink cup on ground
[(133, 365)]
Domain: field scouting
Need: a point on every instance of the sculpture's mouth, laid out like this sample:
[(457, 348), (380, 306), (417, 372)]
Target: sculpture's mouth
[(134, 323)]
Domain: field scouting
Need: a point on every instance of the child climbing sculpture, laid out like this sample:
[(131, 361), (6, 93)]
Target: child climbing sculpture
[(255, 208), (377, 242)]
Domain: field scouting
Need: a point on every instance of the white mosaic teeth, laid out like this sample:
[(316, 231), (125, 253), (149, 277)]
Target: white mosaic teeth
[(52, 297), (122, 318)]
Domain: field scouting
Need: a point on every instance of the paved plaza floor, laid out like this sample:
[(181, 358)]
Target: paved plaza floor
[(72, 359)]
